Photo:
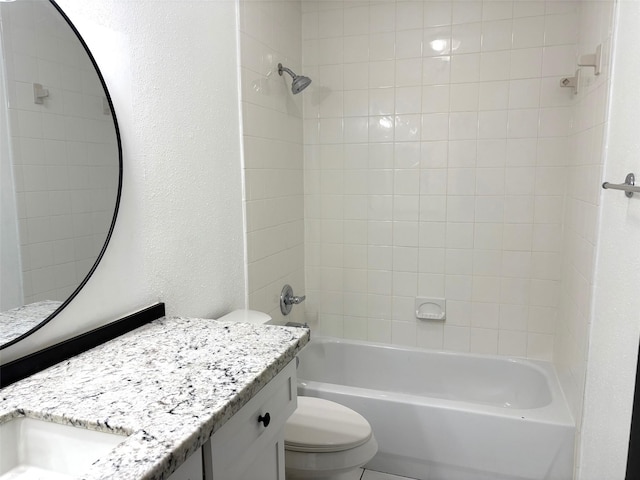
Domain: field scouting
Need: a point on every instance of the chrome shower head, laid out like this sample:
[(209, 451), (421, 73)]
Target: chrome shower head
[(298, 83)]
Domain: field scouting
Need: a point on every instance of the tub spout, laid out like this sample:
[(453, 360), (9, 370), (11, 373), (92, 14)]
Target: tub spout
[(297, 324)]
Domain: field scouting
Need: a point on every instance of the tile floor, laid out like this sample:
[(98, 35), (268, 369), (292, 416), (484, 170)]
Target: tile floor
[(363, 474)]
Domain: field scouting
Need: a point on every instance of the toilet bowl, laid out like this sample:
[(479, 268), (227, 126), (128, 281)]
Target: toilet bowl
[(323, 439), (326, 440)]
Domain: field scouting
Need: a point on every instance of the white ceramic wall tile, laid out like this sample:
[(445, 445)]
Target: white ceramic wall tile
[(408, 100), (497, 35), (484, 341), (430, 335), (408, 44), (526, 63), (466, 38), (528, 8), (464, 97), (466, 11), (436, 70), (456, 338), (356, 49), (468, 92), (512, 343), (496, 11), (528, 32), (279, 186), (409, 15), (485, 315)]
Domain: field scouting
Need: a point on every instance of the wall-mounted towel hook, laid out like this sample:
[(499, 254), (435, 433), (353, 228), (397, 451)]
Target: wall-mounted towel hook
[(571, 82), (592, 60), (39, 93)]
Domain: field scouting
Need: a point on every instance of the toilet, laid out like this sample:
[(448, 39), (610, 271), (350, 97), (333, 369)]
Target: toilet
[(326, 440), (323, 440)]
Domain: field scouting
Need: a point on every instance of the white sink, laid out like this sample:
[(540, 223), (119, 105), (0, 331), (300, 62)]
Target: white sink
[(33, 449)]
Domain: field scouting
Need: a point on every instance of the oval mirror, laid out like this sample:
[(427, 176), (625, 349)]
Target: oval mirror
[(60, 165)]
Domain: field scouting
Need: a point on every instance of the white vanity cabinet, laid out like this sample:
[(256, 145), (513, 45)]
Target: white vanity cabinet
[(250, 446), (191, 469)]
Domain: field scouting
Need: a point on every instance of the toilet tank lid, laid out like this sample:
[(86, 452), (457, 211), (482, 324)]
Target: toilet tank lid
[(246, 316), (320, 425)]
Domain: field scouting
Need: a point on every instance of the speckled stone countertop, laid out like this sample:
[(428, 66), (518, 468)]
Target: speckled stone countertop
[(17, 321), (168, 385)]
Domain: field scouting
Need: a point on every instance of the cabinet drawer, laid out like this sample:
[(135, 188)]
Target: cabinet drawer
[(242, 437)]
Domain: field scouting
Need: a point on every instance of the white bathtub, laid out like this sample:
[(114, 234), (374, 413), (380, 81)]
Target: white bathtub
[(447, 416)]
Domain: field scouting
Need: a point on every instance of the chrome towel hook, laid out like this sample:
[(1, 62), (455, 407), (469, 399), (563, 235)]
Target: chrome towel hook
[(628, 186)]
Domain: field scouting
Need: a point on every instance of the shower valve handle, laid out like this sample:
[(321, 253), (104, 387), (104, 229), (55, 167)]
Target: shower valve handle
[(294, 300), (288, 299)]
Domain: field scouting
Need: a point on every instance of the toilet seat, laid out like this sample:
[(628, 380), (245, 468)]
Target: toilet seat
[(320, 426)]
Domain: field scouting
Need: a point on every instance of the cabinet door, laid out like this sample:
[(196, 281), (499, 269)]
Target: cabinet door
[(265, 464), (269, 463), (191, 469), (250, 445)]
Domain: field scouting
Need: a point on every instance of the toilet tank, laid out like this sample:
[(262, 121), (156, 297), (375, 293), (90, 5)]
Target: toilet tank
[(246, 316)]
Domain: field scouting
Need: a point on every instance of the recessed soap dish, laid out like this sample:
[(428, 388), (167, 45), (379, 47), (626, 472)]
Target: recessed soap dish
[(431, 308)]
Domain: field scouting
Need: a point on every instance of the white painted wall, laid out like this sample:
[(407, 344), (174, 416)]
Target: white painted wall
[(179, 236), (615, 327)]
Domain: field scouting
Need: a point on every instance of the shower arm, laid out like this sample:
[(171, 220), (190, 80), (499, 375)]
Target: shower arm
[(282, 68)]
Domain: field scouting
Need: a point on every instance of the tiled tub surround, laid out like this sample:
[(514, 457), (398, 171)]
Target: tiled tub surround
[(17, 321), (273, 152), (436, 147), (168, 386)]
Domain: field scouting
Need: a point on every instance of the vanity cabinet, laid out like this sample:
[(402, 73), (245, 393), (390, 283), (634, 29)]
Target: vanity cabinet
[(191, 469), (250, 445)]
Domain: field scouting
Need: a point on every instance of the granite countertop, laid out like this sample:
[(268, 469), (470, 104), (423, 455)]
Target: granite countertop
[(167, 385), (17, 321)]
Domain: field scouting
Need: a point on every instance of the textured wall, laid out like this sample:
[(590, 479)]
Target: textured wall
[(179, 236), (615, 321)]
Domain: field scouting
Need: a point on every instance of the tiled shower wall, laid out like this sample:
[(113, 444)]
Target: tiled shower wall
[(64, 151), (436, 154), (272, 142)]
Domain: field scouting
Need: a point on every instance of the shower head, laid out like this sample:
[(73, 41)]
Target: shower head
[(298, 83)]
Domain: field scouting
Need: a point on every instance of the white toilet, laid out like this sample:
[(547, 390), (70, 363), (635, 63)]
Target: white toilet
[(323, 439), (326, 440)]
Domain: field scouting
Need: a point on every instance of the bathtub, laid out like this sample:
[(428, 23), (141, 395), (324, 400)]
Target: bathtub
[(447, 416)]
